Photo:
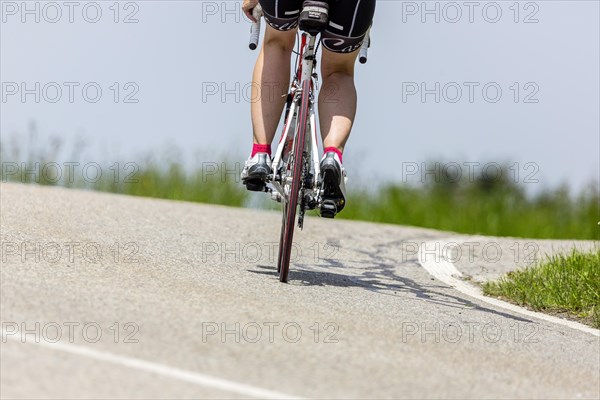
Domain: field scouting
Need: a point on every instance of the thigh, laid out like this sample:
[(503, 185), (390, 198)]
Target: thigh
[(281, 14), (349, 21)]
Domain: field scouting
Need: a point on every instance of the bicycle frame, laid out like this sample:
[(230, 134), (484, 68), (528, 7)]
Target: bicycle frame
[(304, 72), (296, 179)]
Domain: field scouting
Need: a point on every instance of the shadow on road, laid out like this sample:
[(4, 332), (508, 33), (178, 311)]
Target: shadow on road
[(378, 274)]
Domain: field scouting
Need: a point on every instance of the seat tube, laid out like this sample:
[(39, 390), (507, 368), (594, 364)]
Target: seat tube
[(308, 58)]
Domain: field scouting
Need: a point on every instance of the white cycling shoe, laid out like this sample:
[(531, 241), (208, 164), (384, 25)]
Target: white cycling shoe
[(334, 185), (255, 172)]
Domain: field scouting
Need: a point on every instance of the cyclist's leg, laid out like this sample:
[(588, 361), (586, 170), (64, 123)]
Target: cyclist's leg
[(271, 80), (348, 23), (337, 98), (337, 107)]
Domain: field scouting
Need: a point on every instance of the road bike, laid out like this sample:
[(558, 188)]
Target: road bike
[(296, 181)]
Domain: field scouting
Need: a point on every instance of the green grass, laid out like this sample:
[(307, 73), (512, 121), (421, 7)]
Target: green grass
[(176, 183), (163, 176), (564, 283), (497, 207)]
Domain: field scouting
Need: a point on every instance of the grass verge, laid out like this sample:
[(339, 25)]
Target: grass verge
[(482, 204), (563, 284), (493, 207)]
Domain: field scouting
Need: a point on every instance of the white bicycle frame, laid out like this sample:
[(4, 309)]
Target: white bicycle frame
[(291, 126), (282, 187)]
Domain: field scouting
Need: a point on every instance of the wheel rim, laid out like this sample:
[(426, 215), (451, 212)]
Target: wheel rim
[(290, 208)]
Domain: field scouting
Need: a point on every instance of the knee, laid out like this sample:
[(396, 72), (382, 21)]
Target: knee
[(329, 75), (280, 40), (337, 67)]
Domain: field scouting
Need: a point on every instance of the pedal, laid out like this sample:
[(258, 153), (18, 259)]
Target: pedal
[(255, 186), (328, 209)]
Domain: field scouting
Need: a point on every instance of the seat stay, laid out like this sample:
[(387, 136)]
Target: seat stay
[(286, 134), (306, 66)]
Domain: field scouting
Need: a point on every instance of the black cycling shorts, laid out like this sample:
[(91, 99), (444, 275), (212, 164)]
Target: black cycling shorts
[(349, 21)]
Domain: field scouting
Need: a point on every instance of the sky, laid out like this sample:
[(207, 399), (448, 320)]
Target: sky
[(469, 83)]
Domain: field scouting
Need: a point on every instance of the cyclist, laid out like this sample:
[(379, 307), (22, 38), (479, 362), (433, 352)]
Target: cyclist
[(349, 21)]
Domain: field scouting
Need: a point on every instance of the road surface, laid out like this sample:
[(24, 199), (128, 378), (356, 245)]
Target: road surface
[(109, 296)]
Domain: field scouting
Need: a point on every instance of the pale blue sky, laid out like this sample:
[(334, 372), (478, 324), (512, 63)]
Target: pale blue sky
[(178, 47)]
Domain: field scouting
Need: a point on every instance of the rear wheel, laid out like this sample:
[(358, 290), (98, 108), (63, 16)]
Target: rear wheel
[(281, 235), (285, 244)]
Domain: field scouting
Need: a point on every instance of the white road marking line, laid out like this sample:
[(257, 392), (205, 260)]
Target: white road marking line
[(446, 272), (159, 369)]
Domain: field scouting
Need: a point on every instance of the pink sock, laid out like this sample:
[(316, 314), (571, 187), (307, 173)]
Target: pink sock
[(261, 148), (335, 150)]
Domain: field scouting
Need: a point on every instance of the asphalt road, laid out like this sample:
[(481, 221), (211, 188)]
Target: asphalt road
[(159, 299)]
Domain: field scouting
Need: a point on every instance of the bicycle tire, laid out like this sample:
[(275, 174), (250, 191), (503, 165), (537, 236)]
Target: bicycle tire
[(285, 244), (281, 234)]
